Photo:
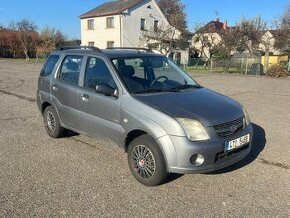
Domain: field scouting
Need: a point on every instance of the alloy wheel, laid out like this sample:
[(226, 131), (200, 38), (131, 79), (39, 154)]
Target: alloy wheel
[(143, 161)]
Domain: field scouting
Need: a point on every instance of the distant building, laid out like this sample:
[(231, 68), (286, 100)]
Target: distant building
[(209, 34), (120, 23), (213, 31)]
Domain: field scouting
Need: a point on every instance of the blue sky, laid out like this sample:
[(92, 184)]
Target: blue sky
[(63, 14)]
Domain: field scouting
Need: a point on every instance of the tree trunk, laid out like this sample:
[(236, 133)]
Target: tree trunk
[(26, 55), (266, 61), (289, 65)]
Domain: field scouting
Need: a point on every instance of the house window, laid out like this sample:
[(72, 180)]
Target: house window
[(110, 44), (110, 22), (143, 24), (91, 25), (91, 44), (156, 22)]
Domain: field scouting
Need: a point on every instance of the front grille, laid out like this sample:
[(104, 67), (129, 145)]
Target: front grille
[(225, 155), (229, 128)]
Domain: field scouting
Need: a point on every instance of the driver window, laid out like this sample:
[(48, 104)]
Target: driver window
[(97, 73)]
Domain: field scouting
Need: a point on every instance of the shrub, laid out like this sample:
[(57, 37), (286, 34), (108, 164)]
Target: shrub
[(277, 71)]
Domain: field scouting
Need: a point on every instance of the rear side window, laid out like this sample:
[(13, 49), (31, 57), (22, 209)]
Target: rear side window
[(49, 65), (70, 69)]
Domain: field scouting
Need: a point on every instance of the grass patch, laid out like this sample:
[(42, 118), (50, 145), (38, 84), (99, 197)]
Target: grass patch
[(32, 60)]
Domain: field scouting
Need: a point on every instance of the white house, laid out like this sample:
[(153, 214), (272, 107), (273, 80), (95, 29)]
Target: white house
[(120, 23), (268, 42)]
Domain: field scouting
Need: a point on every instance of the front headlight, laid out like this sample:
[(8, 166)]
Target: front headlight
[(193, 129), (246, 115)]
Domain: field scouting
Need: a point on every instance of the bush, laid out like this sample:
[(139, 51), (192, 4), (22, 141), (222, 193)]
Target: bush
[(277, 71)]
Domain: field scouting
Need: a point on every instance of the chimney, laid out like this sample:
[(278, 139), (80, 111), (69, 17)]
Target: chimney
[(225, 25)]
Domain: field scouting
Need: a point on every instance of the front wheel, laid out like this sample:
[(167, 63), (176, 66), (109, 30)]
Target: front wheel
[(146, 161)]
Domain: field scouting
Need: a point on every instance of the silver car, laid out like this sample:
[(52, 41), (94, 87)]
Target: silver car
[(163, 119)]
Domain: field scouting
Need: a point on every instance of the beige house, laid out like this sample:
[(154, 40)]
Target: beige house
[(208, 36), (120, 23)]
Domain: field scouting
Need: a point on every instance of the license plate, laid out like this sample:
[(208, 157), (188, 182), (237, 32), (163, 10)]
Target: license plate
[(234, 144)]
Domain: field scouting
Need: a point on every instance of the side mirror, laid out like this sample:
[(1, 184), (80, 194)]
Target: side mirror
[(106, 90)]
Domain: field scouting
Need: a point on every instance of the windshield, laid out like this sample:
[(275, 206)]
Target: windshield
[(152, 74)]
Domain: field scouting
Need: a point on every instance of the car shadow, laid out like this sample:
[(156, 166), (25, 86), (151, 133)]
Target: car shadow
[(258, 145), (70, 134), (171, 177)]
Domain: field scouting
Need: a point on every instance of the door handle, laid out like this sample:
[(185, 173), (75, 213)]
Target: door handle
[(54, 88), (85, 97)]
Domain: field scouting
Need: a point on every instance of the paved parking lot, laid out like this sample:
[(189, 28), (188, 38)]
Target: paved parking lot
[(80, 176)]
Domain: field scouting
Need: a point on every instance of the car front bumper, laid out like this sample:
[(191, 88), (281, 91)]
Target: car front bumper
[(213, 151)]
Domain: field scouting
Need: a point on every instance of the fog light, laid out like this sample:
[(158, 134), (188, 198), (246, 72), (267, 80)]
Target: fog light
[(197, 159)]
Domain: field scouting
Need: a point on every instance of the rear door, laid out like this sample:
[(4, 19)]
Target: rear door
[(99, 114), (65, 88)]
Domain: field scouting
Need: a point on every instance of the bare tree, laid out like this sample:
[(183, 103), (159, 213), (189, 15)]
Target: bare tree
[(206, 41), (27, 35), (282, 40), (50, 38), (230, 42), (168, 37), (267, 42), (174, 11), (165, 38), (249, 33)]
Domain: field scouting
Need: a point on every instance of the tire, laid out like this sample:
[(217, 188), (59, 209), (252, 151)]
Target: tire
[(52, 124), (146, 161)]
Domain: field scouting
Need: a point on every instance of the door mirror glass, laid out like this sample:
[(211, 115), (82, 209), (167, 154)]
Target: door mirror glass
[(106, 90)]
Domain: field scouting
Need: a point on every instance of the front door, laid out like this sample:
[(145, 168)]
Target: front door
[(99, 114)]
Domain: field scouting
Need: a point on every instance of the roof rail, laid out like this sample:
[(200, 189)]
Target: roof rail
[(62, 48), (133, 48)]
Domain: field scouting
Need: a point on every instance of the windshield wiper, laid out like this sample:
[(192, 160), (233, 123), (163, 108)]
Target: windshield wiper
[(155, 90), (186, 86)]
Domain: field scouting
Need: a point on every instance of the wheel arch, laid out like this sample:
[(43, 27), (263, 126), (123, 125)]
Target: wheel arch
[(133, 135), (44, 105), (164, 143)]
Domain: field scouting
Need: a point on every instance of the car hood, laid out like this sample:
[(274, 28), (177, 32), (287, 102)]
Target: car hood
[(202, 104)]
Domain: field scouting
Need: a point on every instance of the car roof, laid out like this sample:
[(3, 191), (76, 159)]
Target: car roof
[(109, 53)]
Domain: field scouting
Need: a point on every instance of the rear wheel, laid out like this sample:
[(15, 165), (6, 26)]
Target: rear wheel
[(146, 161), (52, 124)]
